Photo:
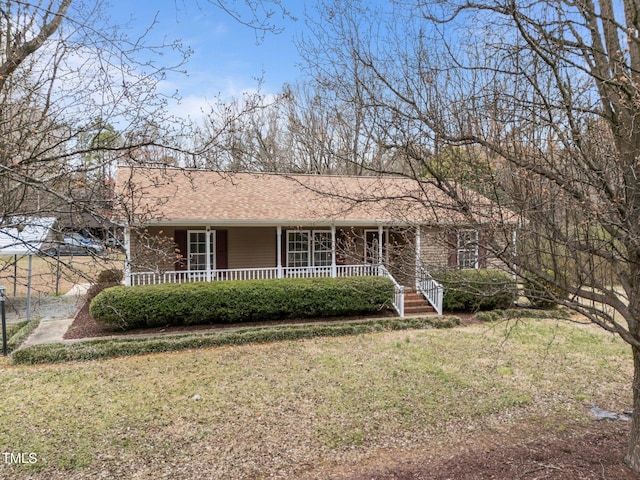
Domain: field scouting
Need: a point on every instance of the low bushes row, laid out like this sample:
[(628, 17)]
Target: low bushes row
[(473, 290), (17, 333), (101, 349), (240, 301), (518, 313)]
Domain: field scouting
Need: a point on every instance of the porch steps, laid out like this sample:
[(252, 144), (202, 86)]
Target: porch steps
[(415, 303)]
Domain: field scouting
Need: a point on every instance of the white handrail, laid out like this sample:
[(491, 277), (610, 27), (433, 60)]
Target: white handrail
[(398, 294), (432, 290)]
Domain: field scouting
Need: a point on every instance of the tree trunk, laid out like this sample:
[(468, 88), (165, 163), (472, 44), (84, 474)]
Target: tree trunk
[(632, 459)]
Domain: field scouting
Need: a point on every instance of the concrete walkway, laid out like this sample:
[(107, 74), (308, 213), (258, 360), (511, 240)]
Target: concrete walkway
[(49, 331), (52, 327)]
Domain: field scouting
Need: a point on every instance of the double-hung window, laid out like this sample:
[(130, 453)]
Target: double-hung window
[(309, 248), (298, 243), (467, 249)]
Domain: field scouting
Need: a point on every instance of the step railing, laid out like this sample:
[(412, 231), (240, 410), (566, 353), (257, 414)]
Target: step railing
[(398, 290), (432, 290)]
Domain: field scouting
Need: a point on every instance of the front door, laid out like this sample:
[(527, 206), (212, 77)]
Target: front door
[(372, 246), (201, 249)]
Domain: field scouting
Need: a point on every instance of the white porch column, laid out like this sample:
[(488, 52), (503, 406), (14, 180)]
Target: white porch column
[(207, 250), (334, 270), (279, 250), (127, 253), (380, 243), (418, 256)]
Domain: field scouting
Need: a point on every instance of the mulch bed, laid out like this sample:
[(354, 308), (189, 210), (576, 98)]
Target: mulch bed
[(84, 326), (591, 451)]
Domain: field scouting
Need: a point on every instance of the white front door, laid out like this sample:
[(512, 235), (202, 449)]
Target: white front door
[(202, 249)]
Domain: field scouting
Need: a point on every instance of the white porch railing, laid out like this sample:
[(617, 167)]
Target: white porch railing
[(152, 278), (189, 276), (430, 289)]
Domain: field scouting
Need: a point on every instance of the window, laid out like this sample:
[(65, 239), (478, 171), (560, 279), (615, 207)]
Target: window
[(197, 247), (298, 248), (309, 248), (321, 248), (467, 251)]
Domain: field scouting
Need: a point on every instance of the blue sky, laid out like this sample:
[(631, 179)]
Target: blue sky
[(226, 59)]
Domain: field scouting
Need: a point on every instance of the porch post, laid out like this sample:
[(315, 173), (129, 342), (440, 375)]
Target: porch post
[(279, 250), (380, 234), (334, 270), (418, 259), (127, 253), (207, 250)]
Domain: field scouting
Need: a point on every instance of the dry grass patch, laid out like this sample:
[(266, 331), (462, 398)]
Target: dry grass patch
[(47, 274), (293, 409)]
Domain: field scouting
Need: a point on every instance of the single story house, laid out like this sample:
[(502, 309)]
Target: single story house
[(185, 225)]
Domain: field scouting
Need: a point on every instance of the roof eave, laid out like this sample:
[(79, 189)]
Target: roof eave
[(273, 222)]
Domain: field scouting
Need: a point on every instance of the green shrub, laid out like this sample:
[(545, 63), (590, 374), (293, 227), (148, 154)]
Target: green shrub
[(543, 293), (239, 301), (473, 290), (18, 333), (101, 349), (106, 278)]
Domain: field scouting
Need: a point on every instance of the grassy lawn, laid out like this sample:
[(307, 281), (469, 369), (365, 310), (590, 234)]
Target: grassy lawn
[(47, 274), (294, 409)]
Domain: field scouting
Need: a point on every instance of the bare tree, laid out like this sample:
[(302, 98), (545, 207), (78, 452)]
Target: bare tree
[(299, 130), (59, 62), (327, 138), (260, 15), (78, 96), (542, 99)]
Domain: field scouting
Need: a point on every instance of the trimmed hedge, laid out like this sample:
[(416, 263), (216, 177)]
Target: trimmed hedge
[(18, 333), (102, 349), (473, 290), (239, 301), (106, 278), (518, 313)]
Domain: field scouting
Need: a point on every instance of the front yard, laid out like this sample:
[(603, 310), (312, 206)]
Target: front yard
[(319, 408)]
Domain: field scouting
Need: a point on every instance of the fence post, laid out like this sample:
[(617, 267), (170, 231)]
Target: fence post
[(4, 321)]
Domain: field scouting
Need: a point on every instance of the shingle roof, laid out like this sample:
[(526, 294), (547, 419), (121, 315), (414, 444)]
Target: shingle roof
[(173, 196)]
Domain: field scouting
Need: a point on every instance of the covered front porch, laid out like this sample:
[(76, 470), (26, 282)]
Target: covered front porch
[(231, 252)]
